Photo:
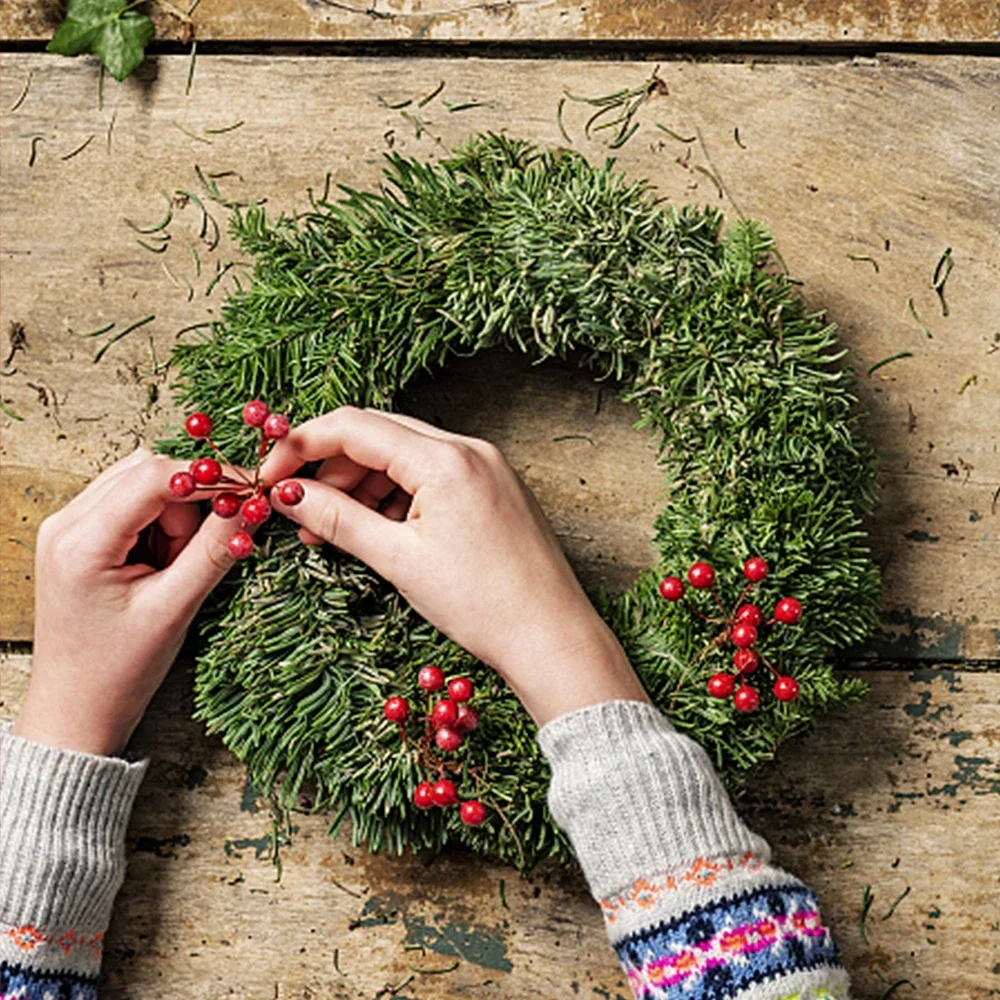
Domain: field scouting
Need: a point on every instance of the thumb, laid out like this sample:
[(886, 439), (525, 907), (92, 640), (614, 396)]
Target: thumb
[(344, 522)]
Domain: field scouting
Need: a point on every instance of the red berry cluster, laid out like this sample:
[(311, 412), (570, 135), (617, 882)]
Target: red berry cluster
[(447, 723), (236, 494), (740, 627)]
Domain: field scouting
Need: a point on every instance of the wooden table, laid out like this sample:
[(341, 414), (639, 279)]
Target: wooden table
[(868, 138)]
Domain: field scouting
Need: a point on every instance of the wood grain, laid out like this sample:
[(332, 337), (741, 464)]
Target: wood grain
[(893, 159), (917, 772), (830, 21)]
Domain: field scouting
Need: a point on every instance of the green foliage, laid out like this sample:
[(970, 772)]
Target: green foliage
[(111, 29), (542, 253)]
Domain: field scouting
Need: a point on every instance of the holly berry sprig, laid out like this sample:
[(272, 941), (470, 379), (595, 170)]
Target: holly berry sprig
[(235, 492), (446, 724), (741, 628)]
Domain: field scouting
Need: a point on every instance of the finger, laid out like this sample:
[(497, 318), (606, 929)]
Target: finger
[(398, 507), (97, 487), (199, 565), (342, 473), (178, 522), (135, 499), (342, 521), (373, 489), (366, 437), (416, 424)]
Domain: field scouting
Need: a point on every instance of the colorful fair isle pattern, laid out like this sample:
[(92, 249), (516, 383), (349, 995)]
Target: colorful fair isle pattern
[(19, 983), (644, 894), (27, 938), (717, 950)]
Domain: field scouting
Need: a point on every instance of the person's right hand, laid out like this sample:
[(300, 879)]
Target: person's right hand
[(447, 521)]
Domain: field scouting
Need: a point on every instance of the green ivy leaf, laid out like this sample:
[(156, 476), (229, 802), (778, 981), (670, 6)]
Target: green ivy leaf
[(107, 28)]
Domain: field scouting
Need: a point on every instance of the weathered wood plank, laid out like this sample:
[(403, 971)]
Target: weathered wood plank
[(523, 20), (892, 158), (916, 770)]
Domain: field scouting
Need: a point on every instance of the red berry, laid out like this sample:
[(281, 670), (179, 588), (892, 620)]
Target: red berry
[(744, 636), (721, 685), (746, 661), (444, 713), (240, 545), (276, 426), (671, 588), (206, 471), (443, 793), (255, 413), (430, 678), (472, 812), (423, 795), (256, 510), (226, 504), (182, 484), (786, 689), (290, 492), (749, 614), (198, 425), (701, 576), (396, 709), (468, 719), (460, 689), (788, 610), (448, 739), (746, 699), (755, 569)]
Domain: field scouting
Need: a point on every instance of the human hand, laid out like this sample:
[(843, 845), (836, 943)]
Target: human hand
[(447, 521), (119, 574)]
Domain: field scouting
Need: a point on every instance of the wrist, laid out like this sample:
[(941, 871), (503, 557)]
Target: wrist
[(78, 729), (554, 673)]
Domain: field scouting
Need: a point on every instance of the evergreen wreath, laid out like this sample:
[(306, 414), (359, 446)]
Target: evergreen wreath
[(543, 253)]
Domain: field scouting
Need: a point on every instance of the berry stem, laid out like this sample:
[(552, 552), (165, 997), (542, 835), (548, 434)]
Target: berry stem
[(703, 617), (768, 665), (225, 461)]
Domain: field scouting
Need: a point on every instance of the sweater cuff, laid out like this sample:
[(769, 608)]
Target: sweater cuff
[(63, 817), (636, 797)]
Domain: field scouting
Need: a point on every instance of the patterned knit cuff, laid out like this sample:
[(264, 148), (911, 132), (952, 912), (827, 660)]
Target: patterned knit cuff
[(636, 797), (63, 817)]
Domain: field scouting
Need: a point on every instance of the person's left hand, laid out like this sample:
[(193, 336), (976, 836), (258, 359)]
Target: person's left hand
[(119, 574)]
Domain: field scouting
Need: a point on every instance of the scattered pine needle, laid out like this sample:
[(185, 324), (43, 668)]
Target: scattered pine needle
[(79, 149), (892, 357), (502, 888), (424, 101), (941, 272), (436, 972), (971, 380), (867, 898), (20, 100), (895, 986), (462, 105), (559, 119), (161, 248), (34, 149), (10, 413), (227, 128), (190, 74), (111, 126), (623, 104), (899, 899), (98, 331), (708, 173), (336, 962), (920, 322), (192, 135), (122, 333), (674, 135), (863, 256), (736, 136)]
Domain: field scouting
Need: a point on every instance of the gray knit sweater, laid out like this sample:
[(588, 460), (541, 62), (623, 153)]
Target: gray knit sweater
[(692, 905)]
